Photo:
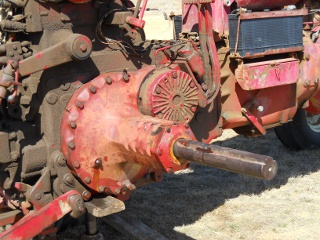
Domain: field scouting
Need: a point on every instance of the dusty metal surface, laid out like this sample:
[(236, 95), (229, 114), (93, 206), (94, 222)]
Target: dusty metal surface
[(261, 4), (233, 160), (36, 222), (88, 105), (261, 75)]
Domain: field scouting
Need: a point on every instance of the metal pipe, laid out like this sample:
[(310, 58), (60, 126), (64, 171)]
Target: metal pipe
[(91, 224), (136, 10), (233, 160)]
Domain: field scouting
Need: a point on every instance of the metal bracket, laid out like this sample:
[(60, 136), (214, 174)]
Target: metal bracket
[(33, 224), (253, 120)]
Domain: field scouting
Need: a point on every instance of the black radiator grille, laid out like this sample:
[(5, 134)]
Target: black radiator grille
[(259, 35)]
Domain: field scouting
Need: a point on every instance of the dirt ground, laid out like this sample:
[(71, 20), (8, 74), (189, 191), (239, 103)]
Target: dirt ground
[(206, 203)]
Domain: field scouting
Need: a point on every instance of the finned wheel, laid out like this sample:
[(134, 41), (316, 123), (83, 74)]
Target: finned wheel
[(301, 133)]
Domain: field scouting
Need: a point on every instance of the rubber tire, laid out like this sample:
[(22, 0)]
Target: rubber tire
[(297, 134)]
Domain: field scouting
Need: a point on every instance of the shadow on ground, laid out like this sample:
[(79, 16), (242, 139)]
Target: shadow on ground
[(183, 198)]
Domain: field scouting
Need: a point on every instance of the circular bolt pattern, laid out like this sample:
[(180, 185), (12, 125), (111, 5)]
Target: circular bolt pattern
[(174, 90)]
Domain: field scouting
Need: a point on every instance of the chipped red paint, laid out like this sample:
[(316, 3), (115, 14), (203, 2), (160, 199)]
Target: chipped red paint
[(218, 11), (39, 55), (266, 74), (262, 4), (35, 222), (112, 111)]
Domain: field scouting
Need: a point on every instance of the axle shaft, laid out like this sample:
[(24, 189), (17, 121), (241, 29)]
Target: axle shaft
[(233, 160)]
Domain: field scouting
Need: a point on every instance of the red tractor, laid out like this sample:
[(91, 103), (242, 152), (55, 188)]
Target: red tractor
[(91, 110)]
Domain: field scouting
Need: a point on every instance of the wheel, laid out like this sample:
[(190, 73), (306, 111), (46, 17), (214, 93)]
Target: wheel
[(302, 132)]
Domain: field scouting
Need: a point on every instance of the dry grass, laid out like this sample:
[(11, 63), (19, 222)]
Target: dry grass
[(206, 203)]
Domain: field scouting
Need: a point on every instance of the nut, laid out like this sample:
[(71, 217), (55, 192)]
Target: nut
[(93, 89), (80, 105), (109, 80), (87, 180)]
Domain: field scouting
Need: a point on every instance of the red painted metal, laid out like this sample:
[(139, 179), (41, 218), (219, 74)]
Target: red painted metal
[(136, 22), (273, 14), (112, 110), (266, 74), (36, 222), (219, 14), (126, 123), (262, 4), (170, 94)]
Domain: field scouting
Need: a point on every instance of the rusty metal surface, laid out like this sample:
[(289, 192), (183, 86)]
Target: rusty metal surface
[(273, 14), (233, 160), (112, 122), (218, 11), (10, 217), (262, 4), (75, 47), (266, 74)]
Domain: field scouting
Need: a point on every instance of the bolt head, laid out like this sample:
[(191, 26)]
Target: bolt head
[(86, 195), (101, 189), (87, 180), (98, 163), (73, 125), (80, 105), (76, 164), (109, 80), (93, 89), (37, 196), (71, 145), (69, 179), (61, 161)]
